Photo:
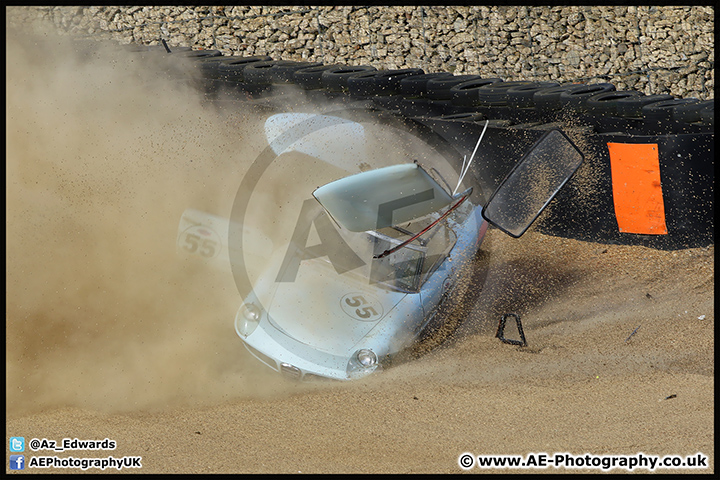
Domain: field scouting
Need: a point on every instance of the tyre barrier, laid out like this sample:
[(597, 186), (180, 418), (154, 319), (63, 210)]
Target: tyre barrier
[(521, 96), (220, 72), (440, 88), (466, 94), (521, 104), (577, 98), (209, 66), (310, 78), (274, 72), (228, 68), (648, 173), (547, 100), (495, 94), (415, 86), (336, 79), (379, 82), (676, 115)]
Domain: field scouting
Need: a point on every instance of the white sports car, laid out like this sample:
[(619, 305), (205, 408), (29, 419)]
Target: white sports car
[(319, 322), (394, 244)]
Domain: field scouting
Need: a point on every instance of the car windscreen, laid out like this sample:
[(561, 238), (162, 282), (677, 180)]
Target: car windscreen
[(382, 197)]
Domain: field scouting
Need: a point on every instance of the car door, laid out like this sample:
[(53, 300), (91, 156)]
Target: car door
[(439, 272)]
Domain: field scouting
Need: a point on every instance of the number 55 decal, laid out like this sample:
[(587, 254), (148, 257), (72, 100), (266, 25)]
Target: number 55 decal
[(361, 306), (199, 240)]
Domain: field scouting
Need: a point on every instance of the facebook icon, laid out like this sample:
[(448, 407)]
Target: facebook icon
[(17, 462)]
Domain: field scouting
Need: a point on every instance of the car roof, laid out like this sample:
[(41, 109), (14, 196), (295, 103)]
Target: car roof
[(382, 197)]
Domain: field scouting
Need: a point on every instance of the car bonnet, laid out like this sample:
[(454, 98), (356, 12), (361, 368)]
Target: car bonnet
[(328, 311)]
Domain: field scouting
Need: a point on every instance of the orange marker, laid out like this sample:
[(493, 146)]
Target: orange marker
[(637, 191)]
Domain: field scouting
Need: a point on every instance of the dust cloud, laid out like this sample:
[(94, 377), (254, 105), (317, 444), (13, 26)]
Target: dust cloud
[(106, 149), (104, 153)]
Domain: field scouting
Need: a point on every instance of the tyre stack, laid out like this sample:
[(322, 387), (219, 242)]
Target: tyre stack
[(596, 116)]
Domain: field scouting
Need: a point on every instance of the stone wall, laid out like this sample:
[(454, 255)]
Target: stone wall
[(667, 49)]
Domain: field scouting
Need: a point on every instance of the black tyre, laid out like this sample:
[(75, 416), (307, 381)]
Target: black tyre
[(284, 71), (547, 100), (631, 107), (389, 81), (335, 79), (381, 82), (693, 112), (666, 111), (310, 78), (670, 116), (258, 73), (606, 103), (363, 84), (416, 85), (707, 113), (210, 66), (273, 72), (466, 93), (575, 99), (521, 96), (232, 69), (439, 88), (495, 94)]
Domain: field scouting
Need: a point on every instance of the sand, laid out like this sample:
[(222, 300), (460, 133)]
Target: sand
[(111, 335)]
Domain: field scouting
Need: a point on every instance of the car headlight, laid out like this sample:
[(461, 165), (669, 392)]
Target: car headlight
[(366, 358), (247, 319), (362, 362)]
